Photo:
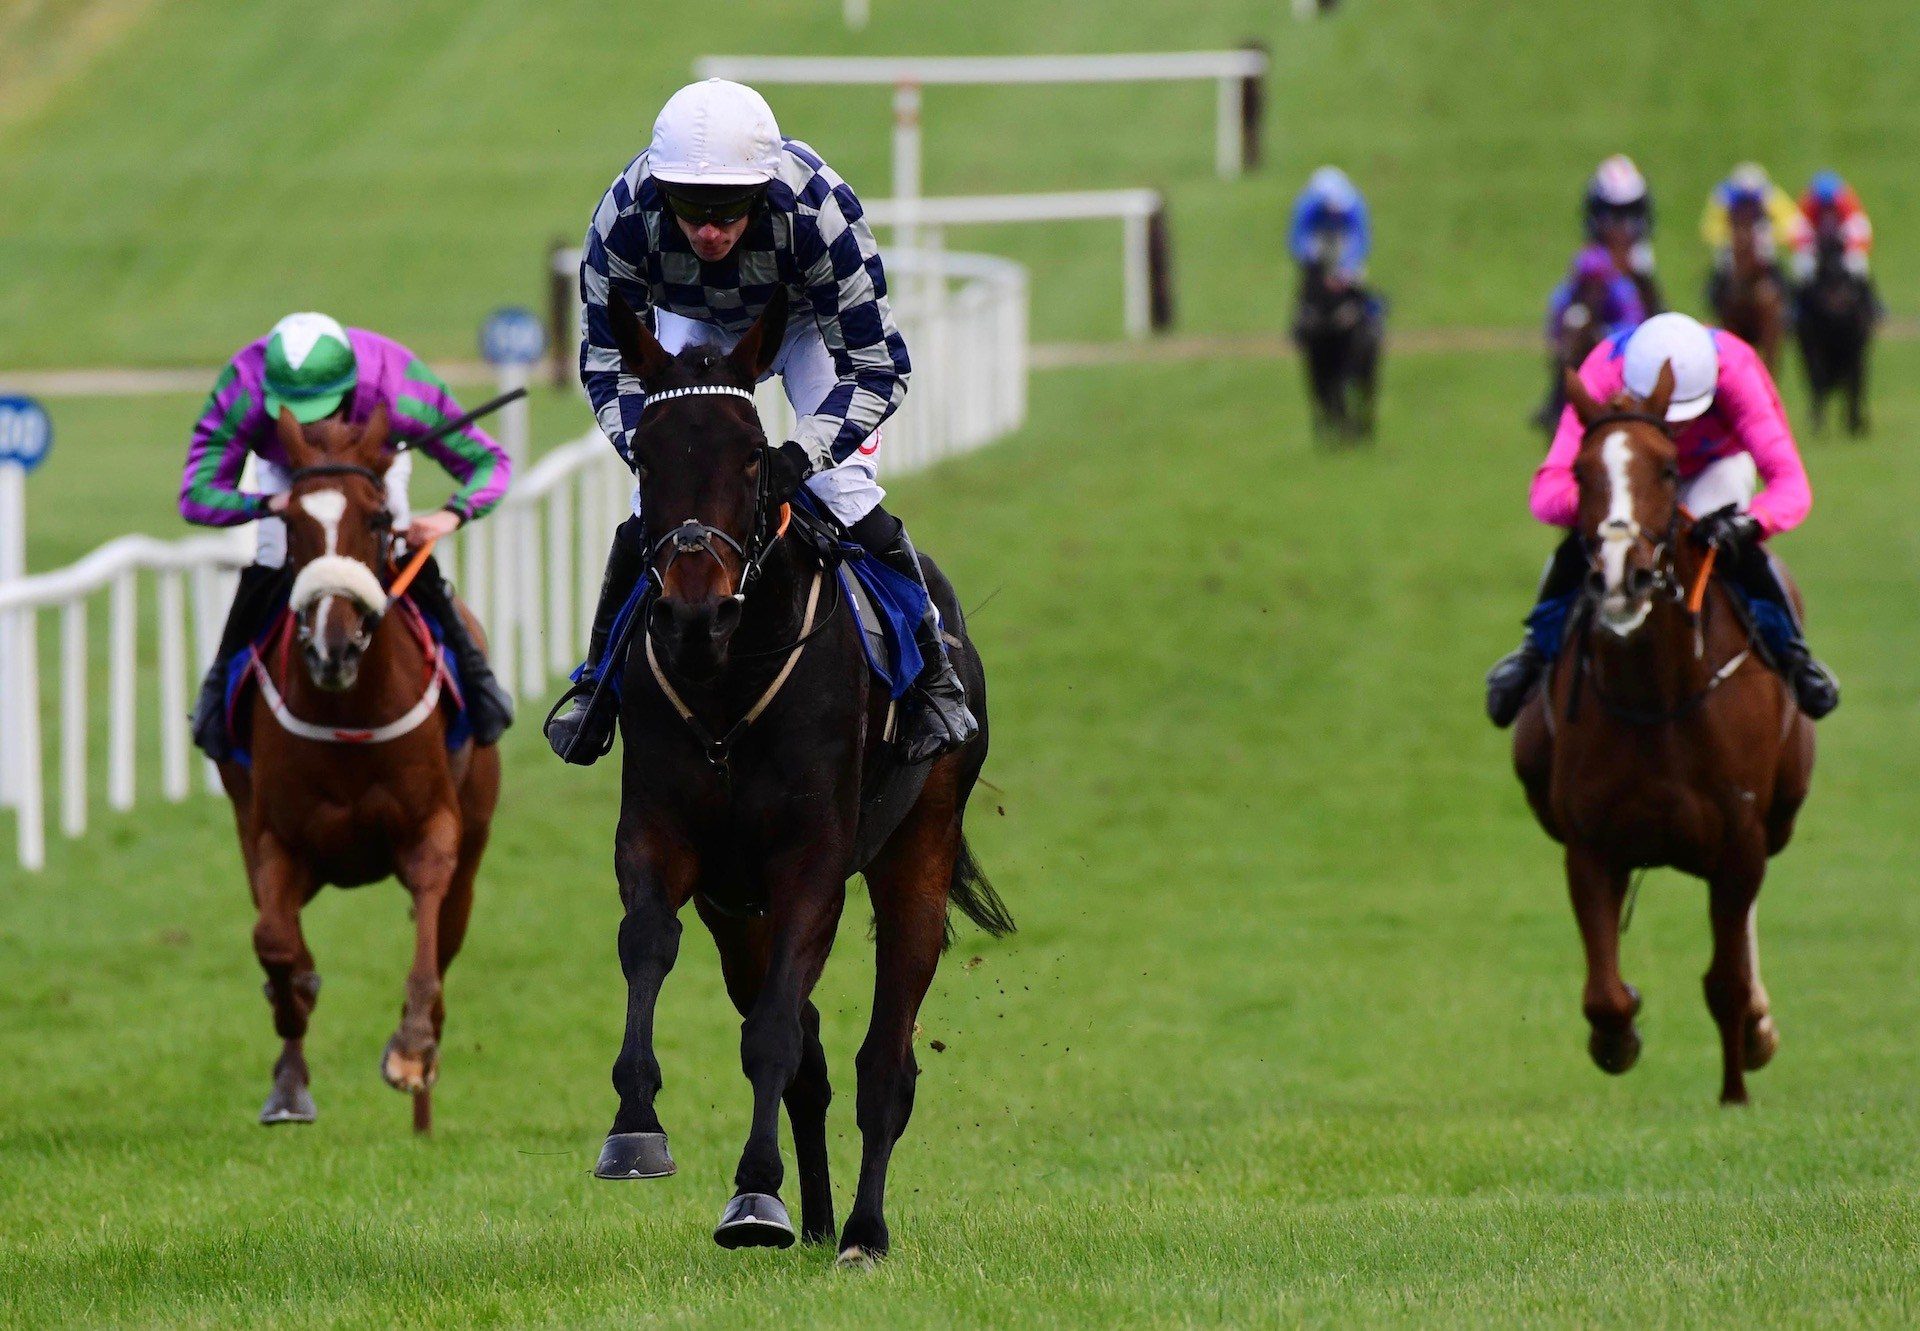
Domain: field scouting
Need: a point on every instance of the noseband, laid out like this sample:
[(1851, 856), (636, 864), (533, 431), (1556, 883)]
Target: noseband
[(1665, 577)]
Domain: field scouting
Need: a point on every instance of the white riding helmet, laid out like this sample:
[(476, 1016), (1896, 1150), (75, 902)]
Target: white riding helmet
[(1333, 186), (715, 133), (1618, 182), (1684, 343)]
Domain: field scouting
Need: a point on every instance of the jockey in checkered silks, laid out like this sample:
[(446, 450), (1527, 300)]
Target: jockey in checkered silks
[(311, 366), (696, 234)]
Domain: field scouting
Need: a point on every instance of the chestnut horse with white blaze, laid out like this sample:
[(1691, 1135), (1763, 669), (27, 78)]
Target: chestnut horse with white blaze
[(351, 778), (1660, 738)]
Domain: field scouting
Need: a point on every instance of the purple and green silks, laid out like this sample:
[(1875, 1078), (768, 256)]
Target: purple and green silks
[(235, 423)]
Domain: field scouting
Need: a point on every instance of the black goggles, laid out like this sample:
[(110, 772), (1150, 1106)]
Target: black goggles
[(718, 205)]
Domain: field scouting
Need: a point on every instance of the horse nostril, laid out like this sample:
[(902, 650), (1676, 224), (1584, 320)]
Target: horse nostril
[(1640, 581), (1596, 583)]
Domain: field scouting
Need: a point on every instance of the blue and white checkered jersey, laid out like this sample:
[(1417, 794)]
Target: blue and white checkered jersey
[(812, 236)]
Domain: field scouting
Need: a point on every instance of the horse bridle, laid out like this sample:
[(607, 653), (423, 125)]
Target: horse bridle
[(1665, 577), (382, 522), (694, 537)]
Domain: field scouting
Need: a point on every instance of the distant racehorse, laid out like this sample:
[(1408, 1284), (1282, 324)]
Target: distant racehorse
[(1661, 739), (1837, 317), (351, 780), (759, 779), (1337, 327), (1749, 299), (1581, 329)]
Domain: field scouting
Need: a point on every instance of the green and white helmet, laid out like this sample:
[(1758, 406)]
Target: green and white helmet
[(310, 367)]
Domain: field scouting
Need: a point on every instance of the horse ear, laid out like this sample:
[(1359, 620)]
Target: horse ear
[(761, 343), (372, 441), (640, 350), (1580, 399), (1662, 396), (294, 440)]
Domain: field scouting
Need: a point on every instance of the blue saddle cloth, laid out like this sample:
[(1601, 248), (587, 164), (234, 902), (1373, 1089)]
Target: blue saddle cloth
[(889, 609), (240, 681)]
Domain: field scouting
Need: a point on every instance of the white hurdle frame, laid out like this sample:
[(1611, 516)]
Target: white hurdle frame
[(1239, 79)]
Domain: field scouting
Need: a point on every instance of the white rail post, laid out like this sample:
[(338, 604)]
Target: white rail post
[(173, 676), (1136, 281), (29, 804), (560, 626), (73, 717), (856, 13), (906, 162), (207, 622), (1228, 147), (122, 666), (13, 564)]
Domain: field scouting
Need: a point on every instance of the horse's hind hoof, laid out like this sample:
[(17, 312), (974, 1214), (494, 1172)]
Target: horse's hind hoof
[(634, 1155), (754, 1220), (1762, 1042), (853, 1257), (410, 1072), (288, 1105), (1614, 1052)]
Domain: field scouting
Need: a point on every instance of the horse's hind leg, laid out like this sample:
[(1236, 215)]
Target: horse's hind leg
[(281, 886), (1735, 995), (909, 885), (743, 948), (1598, 890), (411, 1060)]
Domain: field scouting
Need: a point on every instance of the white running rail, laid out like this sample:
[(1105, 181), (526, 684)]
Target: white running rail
[(530, 571)]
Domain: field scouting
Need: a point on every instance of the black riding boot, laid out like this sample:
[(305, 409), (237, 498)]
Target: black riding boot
[(581, 731), (259, 594), (1513, 676), (1814, 687), (489, 705), (940, 721)]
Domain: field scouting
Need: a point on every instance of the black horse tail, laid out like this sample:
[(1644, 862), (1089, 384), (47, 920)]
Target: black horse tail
[(974, 895)]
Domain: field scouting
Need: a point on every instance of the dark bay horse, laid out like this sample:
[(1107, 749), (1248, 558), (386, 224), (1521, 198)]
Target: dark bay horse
[(1660, 738), (758, 779), (1749, 298), (351, 780), (1835, 328), (1338, 332), (1581, 328)]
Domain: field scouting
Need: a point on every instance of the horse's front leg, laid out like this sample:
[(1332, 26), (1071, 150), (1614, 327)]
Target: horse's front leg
[(1598, 891), (808, 893), (1734, 993), (656, 876), (411, 1060), (282, 883)]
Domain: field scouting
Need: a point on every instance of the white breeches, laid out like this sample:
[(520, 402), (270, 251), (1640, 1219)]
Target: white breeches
[(850, 490), (270, 478), (1731, 480)]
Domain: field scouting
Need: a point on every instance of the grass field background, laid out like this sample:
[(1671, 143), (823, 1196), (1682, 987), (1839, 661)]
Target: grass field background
[(1290, 1032)]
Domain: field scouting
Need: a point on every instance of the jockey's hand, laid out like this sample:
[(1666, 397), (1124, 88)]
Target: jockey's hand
[(787, 470), (431, 527), (278, 503), (1727, 530)]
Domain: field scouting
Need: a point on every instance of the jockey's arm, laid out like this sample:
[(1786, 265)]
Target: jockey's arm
[(609, 261), (1715, 228), (1359, 240), (210, 493), (847, 287), (1750, 403), (471, 456)]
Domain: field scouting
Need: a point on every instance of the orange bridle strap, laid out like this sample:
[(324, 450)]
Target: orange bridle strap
[(412, 570), (786, 516), (1698, 595)]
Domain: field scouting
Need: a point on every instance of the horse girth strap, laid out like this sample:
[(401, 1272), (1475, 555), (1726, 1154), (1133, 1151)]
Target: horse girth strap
[(718, 749)]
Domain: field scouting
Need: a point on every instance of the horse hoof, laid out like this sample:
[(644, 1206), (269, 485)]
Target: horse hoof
[(288, 1105), (853, 1257), (634, 1155), (1762, 1043), (754, 1220), (1614, 1052), (409, 1071)]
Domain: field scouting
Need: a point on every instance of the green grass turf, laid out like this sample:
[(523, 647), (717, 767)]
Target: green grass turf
[(174, 177), (1290, 1032)]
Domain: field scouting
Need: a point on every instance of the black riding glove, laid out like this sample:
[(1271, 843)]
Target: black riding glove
[(1727, 530), (788, 467)]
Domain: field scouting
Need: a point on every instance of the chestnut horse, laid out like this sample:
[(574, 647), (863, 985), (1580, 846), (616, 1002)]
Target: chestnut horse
[(351, 779), (758, 780), (1749, 299), (1660, 738)]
